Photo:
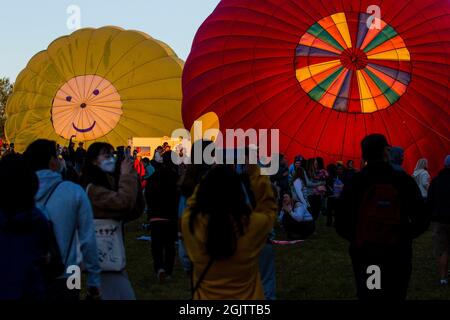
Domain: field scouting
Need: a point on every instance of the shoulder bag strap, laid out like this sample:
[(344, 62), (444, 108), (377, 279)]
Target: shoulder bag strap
[(202, 276), (74, 229), (51, 192)]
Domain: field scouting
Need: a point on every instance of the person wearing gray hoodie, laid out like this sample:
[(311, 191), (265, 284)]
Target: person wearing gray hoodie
[(422, 177), (68, 208)]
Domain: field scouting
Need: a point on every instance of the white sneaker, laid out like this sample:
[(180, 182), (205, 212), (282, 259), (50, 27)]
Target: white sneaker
[(444, 282), (161, 276)]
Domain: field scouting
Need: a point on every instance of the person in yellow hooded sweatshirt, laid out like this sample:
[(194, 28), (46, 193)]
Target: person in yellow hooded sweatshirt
[(224, 236)]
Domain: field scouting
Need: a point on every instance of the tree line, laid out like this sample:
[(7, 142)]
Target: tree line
[(6, 88)]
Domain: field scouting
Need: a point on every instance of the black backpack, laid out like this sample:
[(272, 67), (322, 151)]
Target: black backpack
[(55, 266)]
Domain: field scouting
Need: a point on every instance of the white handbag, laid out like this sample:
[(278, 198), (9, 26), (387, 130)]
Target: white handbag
[(110, 246)]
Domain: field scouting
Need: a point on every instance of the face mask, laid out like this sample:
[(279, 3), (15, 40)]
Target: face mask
[(108, 165)]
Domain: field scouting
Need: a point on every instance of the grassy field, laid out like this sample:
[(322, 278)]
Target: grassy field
[(317, 269)]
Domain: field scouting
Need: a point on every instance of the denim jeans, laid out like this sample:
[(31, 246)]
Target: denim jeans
[(184, 259), (182, 254), (267, 271)]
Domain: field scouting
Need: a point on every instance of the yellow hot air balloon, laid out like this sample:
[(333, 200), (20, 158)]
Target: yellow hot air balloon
[(106, 84)]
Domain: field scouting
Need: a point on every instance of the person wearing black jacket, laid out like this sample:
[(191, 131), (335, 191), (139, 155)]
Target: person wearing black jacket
[(385, 243), (161, 194), (24, 233), (80, 157), (281, 178), (71, 152), (439, 206)]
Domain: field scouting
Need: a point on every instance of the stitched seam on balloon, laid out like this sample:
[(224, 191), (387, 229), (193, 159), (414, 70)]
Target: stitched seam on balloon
[(136, 85), (234, 90), (102, 56), (58, 71), (121, 57)]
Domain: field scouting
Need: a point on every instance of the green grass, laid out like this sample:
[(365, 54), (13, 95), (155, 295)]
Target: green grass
[(316, 269)]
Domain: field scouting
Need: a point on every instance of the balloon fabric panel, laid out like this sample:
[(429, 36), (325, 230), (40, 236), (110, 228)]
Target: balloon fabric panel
[(314, 70)]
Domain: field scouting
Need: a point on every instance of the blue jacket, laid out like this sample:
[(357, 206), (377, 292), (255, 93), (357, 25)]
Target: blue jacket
[(149, 170), (24, 241), (69, 208)]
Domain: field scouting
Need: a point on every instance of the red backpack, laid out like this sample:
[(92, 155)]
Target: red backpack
[(379, 220)]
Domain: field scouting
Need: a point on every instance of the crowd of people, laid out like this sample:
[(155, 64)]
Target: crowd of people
[(62, 206)]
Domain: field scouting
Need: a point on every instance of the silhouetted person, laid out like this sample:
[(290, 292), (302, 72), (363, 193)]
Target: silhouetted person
[(9, 149), (281, 178), (71, 152), (162, 201), (380, 212), (12, 149), (439, 207), (24, 233), (67, 207), (396, 157), (349, 171), (80, 156)]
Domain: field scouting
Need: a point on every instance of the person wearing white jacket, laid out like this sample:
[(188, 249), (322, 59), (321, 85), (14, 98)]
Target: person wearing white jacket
[(295, 216), (422, 177), (299, 189)]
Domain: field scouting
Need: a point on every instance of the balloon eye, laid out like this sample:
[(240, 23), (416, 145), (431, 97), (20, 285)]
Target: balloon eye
[(68, 98), (96, 92)]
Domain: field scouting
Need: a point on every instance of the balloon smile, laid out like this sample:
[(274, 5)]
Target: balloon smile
[(82, 110), (86, 129)]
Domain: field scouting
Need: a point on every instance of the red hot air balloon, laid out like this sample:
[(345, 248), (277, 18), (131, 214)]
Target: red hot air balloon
[(327, 73)]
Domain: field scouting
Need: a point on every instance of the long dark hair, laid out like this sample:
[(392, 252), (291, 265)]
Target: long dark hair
[(39, 153), (221, 198), (320, 163), (300, 173), (310, 170), (91, 172), (194, 172)]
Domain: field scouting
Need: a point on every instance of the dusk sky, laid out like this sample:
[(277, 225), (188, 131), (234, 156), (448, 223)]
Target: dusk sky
[(30, 26)]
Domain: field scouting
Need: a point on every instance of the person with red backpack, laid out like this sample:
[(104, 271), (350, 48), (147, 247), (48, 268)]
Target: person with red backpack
[(380, 212)]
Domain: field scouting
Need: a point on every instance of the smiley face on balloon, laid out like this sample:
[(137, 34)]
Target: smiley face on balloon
[(87, 104), (105, 84)]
